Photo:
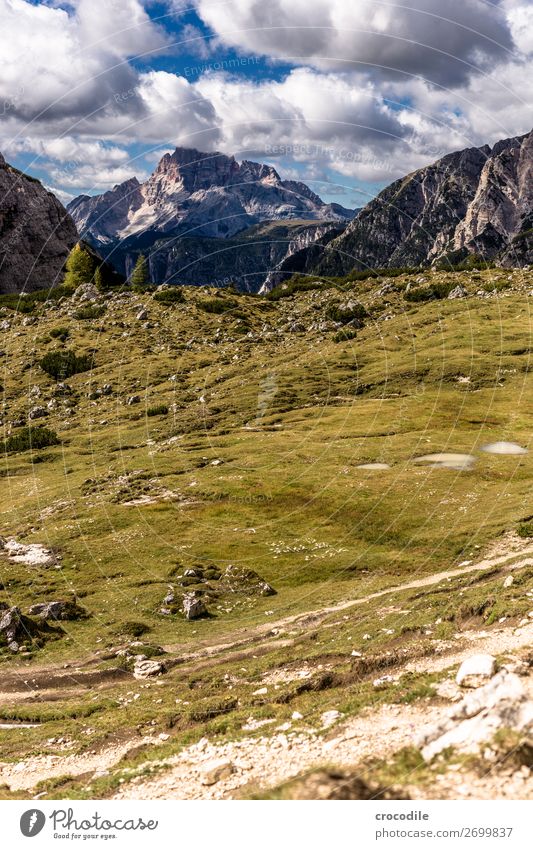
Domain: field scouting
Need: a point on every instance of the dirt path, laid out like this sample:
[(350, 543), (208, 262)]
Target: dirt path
[(272, 759), (26, 774)]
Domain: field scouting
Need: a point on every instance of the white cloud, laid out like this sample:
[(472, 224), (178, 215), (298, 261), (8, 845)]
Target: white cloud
[(443, 42)]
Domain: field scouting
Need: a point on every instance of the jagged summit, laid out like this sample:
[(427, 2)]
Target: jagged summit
[(478, 200), (210, 193)]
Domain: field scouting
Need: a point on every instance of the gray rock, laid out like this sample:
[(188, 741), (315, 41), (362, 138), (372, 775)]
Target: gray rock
[(37, 413), (193, 606), (458, 292), (476, 670), (145, 668), (501, 703), (133, 399), (58, 610), (86, 292), (36, 234)]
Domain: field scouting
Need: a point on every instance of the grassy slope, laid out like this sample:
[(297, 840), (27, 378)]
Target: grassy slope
[(291, 415)]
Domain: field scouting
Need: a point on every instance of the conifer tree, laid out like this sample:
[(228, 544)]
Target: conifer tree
[(80, 267), (140, 276)]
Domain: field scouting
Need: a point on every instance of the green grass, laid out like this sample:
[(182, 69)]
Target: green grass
[(255, 463)]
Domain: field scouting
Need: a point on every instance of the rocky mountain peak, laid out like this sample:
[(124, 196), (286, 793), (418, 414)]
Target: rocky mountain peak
[(36, 233), (477, 200)]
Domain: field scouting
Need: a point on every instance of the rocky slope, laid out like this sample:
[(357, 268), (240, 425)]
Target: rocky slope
[(477, 200), (198, 196), (36, 233)]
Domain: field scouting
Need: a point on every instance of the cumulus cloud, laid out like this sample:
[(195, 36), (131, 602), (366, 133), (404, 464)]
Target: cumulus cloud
[(377, 87), (443, 42)]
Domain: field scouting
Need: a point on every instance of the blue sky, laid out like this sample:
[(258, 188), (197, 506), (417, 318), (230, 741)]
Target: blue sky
[(345, 96)]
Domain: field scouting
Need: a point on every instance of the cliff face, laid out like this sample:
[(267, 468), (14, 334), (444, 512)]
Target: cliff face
[(191, 201), (36, 233), (478, 200), (202, 194), (248, 259)]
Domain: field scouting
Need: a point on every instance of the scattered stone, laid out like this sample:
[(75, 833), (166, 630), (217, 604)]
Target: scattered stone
[(508, 581), (142, 315), (501, 703), (215, 771), (193, 606), (33, 554), (383, 682), (458, 292), (329, 718), (37, 412), (86, 292), (133, 399), (147, 668), (58, 610), (236, 579), (447, 460), (476, 670)]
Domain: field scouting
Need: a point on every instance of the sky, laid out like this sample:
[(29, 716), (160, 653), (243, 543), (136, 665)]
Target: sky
[(347, 95)]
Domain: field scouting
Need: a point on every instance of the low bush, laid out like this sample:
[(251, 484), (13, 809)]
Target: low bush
[(435, 292), (345, 335), (63, 364), (61, 333), (30, 438), (170, 296), (157, 410), (217, 305), (88, 312)]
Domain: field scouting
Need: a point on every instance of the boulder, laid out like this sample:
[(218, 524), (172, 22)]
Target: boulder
[(147, 668), (37, 412), (58, 610), (458, 292), (476, 670), (193, 606), (86, 292), (214, 771), (15, 628), (501, 703)]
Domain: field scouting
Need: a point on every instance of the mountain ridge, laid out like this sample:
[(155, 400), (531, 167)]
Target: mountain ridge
[(478, 200), (194, 194)]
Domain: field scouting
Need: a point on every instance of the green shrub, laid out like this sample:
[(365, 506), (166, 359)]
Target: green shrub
[(89, 311), (133, 629), (434, 292), (61, 333), (342, 315), (525, 530), (170, 296), (63, 364), (345, 335), (217, 305), (157, 410), (30, 438)]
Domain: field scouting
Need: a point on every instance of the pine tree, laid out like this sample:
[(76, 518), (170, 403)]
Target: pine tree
[(140, 276), (80, 267), (98, 280)]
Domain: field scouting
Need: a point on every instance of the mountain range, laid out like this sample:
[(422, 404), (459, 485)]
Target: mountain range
[(193, 198), (204, 218), (476, 201)]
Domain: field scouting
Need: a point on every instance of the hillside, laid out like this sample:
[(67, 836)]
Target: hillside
[(304, 475), (475, 201)]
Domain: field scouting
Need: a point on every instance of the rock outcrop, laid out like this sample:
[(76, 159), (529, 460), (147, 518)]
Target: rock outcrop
[(36, 233), (192, 197), (475, 201)]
